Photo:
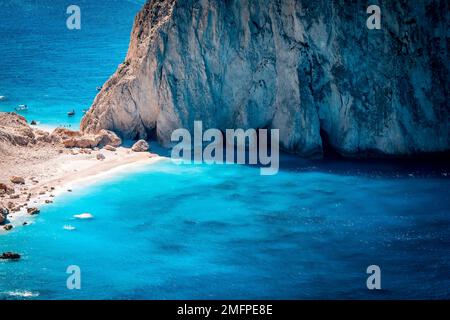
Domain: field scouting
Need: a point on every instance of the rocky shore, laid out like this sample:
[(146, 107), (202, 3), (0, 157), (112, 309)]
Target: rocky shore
[(37, 164)]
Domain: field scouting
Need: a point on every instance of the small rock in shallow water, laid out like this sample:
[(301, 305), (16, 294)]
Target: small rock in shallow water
[(8, 227), (33, 211), (10, 256)]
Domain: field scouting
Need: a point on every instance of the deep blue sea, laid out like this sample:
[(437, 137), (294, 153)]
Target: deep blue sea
[(52, 69), (170, 231)]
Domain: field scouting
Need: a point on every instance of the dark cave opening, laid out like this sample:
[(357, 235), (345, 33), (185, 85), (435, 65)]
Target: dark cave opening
[(329, 152)]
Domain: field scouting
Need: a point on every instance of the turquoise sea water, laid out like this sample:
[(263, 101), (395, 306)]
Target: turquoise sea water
[(52, 69), (196, 231), (223, 231)]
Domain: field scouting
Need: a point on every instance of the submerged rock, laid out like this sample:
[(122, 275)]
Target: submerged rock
[(140, 146), (311, 69), (10, 256)]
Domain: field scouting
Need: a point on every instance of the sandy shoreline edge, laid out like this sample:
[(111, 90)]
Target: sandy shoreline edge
[(38, 163), (79, 173)]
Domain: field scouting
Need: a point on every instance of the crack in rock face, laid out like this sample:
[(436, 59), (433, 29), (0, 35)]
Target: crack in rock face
[(309, 68)]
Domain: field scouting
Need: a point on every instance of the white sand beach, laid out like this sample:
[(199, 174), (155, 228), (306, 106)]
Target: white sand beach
[(45, 169)]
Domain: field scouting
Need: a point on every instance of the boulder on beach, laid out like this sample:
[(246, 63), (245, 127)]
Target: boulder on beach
[(3, 210), (17, 180), (108, 138), (76, 139), (32, 211), (10, 256), (44, 136), (64, 133), (100, 156), (140, 146), (6, 189), (86, 141), (109, 148)]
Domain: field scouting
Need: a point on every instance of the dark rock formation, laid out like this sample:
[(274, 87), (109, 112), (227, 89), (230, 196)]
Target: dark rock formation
[(33, 211), (309, 68), (10, 256)]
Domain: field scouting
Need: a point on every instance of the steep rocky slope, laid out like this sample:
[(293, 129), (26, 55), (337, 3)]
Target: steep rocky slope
[(310, 68)]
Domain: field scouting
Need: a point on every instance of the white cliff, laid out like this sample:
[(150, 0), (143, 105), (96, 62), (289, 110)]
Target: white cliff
[(309, 68)]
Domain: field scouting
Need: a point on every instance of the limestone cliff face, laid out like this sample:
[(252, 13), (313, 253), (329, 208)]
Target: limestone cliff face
[(310, 68)]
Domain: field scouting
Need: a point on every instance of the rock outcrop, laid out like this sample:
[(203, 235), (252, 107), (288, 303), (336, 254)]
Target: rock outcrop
[(14, 130), (140, 146), (309, 68), (33, 211), (17, 180), (76, 139)]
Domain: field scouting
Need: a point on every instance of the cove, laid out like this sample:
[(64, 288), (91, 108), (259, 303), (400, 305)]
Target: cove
[(220, 232)]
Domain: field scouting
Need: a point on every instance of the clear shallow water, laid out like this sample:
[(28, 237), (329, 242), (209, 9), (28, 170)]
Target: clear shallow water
[(184, 232), (53, 69)]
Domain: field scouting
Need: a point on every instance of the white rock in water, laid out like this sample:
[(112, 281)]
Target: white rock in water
[(23, 294), (2, 98), (83, 216), (308, 68), (69, 227)]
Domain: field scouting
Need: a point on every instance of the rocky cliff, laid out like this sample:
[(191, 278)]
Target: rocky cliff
[(310, 68)]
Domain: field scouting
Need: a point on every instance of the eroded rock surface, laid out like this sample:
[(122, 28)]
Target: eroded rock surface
[(309, 68), (140, 146)]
